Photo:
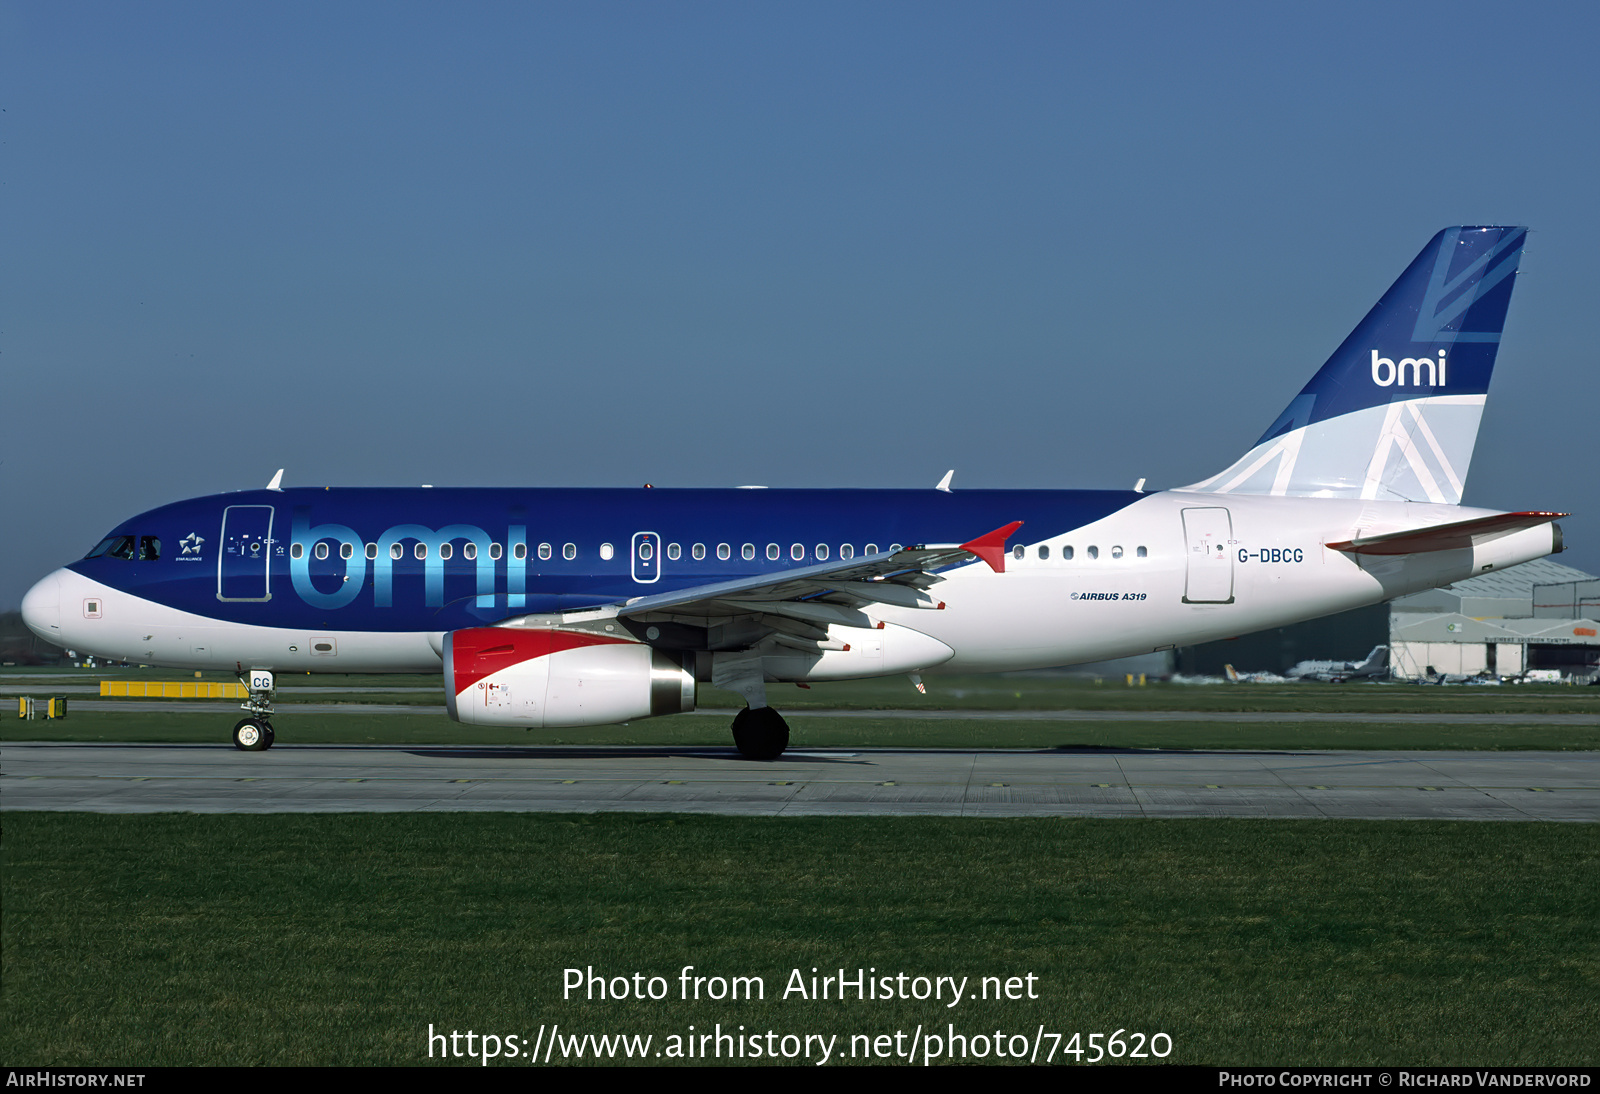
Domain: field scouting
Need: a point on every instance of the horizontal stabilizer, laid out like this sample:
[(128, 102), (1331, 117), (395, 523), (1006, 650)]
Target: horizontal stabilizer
[(1445, 537)]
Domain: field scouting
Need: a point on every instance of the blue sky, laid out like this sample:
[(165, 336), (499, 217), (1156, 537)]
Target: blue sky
[(712, 244)]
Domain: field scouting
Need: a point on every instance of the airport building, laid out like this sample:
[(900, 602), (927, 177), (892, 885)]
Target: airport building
[(1540, 615)]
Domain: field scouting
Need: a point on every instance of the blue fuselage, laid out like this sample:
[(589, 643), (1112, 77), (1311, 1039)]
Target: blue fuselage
[(441, 559)]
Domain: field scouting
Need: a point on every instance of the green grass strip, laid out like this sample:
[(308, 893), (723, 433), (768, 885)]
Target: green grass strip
[(147, 940)]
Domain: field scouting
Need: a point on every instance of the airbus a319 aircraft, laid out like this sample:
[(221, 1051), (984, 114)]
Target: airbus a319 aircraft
[(576, 607)]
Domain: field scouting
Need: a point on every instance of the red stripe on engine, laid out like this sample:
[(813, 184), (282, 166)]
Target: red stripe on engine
[(482, 651)]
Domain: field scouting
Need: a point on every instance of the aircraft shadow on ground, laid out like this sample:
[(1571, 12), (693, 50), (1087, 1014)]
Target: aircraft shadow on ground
[(828, 755), (622, 752)]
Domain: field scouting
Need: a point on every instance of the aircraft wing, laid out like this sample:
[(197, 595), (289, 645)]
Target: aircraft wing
[(830, 591), (1444, 537)]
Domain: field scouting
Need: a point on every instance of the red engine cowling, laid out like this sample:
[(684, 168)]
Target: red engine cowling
[(505, 676)]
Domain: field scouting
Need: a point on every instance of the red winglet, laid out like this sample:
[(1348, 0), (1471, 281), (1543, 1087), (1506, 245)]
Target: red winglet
[(992, 547)]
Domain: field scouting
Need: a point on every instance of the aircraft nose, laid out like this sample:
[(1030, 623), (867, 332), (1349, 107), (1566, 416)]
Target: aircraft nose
[(41, 608)]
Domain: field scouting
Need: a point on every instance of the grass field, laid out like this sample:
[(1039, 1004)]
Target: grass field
[(132, 940)]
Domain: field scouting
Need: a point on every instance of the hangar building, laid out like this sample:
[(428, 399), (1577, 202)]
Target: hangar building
[(1539, 615)]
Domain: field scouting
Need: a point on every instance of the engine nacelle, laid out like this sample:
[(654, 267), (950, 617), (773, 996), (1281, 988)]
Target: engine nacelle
[(505, 676)]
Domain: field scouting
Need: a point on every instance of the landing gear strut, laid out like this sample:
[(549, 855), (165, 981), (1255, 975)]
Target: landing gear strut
[(761, 733), (254, 733)]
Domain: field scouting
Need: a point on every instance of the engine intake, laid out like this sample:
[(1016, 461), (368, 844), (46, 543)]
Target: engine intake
[(505, 676)]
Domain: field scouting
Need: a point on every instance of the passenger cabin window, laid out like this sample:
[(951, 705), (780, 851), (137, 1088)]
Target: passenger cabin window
[(396, 551), (1142, 553), (320, 550), (1116, 552), (149, 549), (1044, 550), (446, 550), (674, 552), (847, 551), (698, 551), (469, 551), (797, 551), (1066, 552), (748, 550), (822, 552), (544, 550), (646, 552), (297, 550), (773, 551), (872, 548), (494, 551), (569, 552), (606, 551), (1018, 551), (420, 550), (372, 550), (724, 552), (347, 550), (894, 548), (519, 552), (1094, 552)]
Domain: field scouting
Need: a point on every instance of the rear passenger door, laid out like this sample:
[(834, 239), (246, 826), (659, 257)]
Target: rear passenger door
[(1207, 533)]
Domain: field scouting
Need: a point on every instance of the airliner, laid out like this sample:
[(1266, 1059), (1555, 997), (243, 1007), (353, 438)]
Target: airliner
[(550, 608)]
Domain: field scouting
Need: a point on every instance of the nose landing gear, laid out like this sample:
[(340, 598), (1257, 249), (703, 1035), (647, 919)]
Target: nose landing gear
[(254, 733)]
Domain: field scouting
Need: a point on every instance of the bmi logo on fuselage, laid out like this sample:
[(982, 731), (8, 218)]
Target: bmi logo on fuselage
[(1386, 372)]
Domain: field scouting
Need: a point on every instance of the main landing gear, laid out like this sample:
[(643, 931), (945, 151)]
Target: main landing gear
[(254, 733), (761, 733)]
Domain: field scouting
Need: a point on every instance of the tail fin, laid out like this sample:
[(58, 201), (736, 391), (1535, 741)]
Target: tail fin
[(1394, 413)]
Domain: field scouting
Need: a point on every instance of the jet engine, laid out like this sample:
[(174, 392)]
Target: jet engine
[(506, 676)]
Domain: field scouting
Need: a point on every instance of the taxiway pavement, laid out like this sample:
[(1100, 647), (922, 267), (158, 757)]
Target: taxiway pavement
[(1086, 782)]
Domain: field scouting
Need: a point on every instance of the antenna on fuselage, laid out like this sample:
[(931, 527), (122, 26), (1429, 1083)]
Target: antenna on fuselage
[(277, 481), (944, 483)]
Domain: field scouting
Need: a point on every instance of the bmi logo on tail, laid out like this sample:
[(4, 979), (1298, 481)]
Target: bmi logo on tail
[(1385, 372)]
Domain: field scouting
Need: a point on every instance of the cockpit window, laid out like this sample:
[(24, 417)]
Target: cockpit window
[(104, 546), (114, 547), (149, 548)]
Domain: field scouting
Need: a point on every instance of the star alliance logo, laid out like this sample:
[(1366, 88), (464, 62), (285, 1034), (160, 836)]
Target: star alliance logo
[(191, 544)]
